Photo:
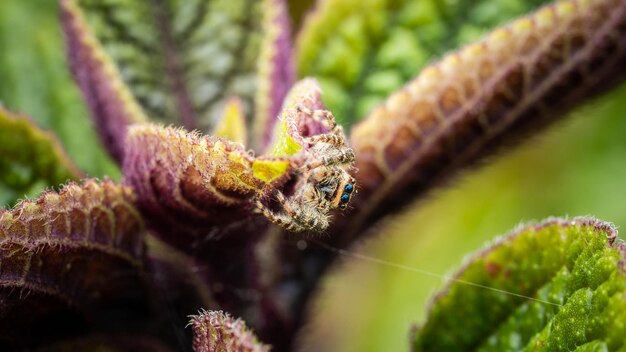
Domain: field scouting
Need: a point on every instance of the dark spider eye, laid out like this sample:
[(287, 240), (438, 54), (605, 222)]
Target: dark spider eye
[(348, 188), (345, 198)]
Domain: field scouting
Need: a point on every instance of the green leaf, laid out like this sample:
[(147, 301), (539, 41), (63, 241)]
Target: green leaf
[(35, 81), (30, 158), (362, 50), (180, 59), (556, 286)]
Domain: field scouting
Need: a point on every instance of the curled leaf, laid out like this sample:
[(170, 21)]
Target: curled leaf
[(558, 285), (30, 156), (203, 51), (198, 194), (485, 95), (113, 106), (203, 186), (218, 331), (70, 261), (206, 186)]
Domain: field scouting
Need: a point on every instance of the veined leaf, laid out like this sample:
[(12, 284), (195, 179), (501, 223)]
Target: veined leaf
[(198, 193), (362, 50), (556, 286), (68, 262), (181, 60), (30, 158), (487, 94), (196, 184), (184, 179)]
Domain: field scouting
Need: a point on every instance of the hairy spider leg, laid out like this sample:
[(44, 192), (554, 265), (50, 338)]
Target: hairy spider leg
[(297, 217), (335, 136), (281, 220), (341, 156), (302, 212), (321, 116)]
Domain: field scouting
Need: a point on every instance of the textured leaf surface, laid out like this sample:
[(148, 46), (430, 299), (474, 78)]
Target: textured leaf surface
[(198, 194), (575, 267), (113, 106), (204, 52), (30, 158), (68, 262), (217, 331), (485, 95), (362, 50), (185, 179)]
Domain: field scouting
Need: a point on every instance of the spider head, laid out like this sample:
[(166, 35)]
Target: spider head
[(344, 192), (334, 187)]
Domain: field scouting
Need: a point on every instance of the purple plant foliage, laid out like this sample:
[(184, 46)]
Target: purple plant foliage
[(207, 247), (111, 111), (281, 75)]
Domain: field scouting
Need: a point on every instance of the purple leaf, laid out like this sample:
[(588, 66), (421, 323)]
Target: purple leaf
[(70, 261), (482, 97), (177, 61), (112, 105)]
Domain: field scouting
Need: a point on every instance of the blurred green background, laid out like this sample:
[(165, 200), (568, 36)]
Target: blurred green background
[(574, 168), (35, 80)]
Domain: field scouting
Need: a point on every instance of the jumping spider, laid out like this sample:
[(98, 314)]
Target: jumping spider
[(324, 183)]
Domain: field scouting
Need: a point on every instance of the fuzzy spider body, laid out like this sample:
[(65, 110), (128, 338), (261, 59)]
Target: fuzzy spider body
[(323, 182)]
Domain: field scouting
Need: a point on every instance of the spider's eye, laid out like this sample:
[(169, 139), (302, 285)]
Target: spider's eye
[(345, 198), (348, 188)]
